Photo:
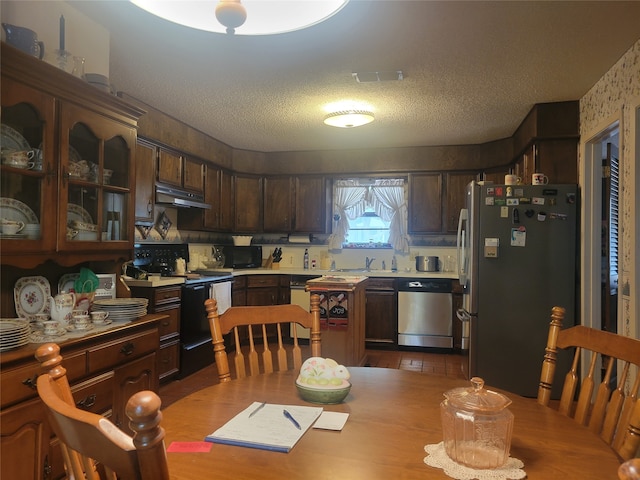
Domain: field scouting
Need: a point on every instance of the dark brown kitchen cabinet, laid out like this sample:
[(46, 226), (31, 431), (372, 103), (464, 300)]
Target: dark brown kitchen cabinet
[(381, 316), (278, 204), (263, 289), (248, 203), (239, 291), (169, 168), (145, 185), (425, 203), (104, 370), (456, 198), (193, 175), (311, 205), (218, 193), (166, 301), (175, 168)]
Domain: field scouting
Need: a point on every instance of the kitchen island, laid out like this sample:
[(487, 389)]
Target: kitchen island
[(342, 317)]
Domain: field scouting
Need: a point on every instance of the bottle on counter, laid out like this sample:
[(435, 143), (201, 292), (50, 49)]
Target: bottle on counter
[(394, 264), (306, 259)]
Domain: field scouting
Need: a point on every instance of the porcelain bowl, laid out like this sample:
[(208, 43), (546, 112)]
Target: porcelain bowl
[(323, 395)]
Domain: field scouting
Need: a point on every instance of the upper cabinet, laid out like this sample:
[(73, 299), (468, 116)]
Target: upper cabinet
[(248, 203), (425, 203), (181, 171), (67, 165), (146, 155), (295, 204), (218, 192), (456, 198)]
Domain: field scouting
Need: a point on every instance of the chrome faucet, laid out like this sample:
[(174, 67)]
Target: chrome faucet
[(368, 261)]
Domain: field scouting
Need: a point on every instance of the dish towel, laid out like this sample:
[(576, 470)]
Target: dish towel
[(512, 470), (222, 293)]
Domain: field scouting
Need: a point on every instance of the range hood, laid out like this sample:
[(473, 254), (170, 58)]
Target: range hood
[(179, 198)]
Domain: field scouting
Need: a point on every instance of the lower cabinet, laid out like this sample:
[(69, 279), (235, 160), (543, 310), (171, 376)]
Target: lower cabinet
[(166, 301), (104, 371), (381, 317)]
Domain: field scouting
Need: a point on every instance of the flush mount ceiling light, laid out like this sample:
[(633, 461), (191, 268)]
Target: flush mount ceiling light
[(250, 17), (349, 118)]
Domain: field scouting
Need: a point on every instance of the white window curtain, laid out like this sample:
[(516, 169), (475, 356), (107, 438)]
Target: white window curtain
[(349, 200), (388, 200)]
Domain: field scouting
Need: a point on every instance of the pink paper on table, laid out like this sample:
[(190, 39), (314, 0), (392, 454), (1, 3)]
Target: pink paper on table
[(184, 447)]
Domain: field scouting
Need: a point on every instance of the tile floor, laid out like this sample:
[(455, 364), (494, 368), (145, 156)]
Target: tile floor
[(449, 365)]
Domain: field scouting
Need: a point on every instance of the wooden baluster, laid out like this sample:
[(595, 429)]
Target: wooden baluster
[(615, 407), (282, 353), (550, 355), (267, 359), (254, 367), (219, 353), (602, 398), (627, 407), (569, 387), (238, 359), (586, 392)]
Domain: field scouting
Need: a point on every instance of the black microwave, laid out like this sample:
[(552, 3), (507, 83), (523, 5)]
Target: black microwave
[(242, 257)]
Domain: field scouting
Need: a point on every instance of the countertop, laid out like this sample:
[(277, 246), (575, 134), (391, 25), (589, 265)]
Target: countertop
[(156, 281)]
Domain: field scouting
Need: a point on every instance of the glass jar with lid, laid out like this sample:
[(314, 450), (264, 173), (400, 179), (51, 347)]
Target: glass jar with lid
[(476, 426)]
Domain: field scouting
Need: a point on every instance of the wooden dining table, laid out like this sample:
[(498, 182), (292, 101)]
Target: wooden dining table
[(393, 414)]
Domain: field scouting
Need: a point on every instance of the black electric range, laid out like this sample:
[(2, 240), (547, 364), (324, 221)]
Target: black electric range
[(196, 349)]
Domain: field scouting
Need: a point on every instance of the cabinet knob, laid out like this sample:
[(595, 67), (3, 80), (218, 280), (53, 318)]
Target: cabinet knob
[(87, 402), (31, 382)]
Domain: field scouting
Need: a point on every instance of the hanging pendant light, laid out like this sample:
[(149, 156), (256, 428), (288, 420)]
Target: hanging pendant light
[(231, 14)]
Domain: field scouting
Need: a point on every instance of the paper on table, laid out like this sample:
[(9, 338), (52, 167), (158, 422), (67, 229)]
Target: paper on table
[(331, 421), (268, 429)]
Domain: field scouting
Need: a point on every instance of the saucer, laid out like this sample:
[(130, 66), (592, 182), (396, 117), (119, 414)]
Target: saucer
[(100, 324), (15, 235), (72, 328)]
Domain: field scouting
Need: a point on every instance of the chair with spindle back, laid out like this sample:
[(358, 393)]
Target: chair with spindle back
[(269, 320), (615, 416), (92, 446)]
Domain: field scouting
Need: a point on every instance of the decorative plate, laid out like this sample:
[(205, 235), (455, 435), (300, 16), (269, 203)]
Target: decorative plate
[(67, 282), (163, 225), (31, 295), (12, 140), (76, 212), (13, 209)]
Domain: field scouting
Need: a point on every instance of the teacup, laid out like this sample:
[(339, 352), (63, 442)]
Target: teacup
[(19, 158), (81, 322), (51, 327), (40, 318), (11, 227), (99, 316)]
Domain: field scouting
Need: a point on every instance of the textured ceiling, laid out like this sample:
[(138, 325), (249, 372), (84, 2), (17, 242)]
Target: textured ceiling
[(472, 70)]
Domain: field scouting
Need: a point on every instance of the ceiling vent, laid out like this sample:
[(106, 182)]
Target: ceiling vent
[(385, 76)]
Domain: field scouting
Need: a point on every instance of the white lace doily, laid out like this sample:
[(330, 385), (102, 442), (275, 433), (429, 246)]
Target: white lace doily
[(511, 470)]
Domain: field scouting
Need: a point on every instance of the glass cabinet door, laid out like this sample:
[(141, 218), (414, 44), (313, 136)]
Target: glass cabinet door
[(28, 178), (97, 172)]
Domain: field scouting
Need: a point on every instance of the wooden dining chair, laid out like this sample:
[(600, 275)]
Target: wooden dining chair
[(261, 321), (615, 416), (93, 447)]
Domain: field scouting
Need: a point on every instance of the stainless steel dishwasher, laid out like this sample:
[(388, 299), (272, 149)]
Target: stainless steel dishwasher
[(425, 313)]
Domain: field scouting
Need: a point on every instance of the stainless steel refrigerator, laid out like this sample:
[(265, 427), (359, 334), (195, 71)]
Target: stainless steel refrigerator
[(517, 259)]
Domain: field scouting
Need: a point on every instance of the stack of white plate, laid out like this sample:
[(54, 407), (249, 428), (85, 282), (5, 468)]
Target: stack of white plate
[(14, 333), (122, 309)]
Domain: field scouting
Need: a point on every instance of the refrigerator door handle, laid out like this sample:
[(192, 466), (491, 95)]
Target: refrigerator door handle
[(461, 247)]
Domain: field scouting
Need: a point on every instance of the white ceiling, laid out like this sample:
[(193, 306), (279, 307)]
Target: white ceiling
[(472, 70)]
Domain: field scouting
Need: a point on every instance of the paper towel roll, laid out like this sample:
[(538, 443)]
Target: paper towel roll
[(299, 238)]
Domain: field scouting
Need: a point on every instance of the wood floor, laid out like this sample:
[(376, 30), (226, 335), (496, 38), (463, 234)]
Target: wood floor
[(449, 365)]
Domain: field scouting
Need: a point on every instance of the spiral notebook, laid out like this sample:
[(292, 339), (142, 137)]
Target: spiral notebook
[(266, 426)]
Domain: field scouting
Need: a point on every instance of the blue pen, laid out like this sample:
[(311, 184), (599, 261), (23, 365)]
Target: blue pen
[(293, 420)]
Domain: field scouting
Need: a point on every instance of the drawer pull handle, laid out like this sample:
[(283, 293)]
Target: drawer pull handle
[(31, 382), (127, 349), (87, 402), (166, 324)]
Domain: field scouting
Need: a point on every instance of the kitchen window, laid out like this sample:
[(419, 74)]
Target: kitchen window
[(369, 213)]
